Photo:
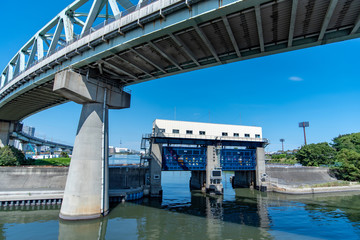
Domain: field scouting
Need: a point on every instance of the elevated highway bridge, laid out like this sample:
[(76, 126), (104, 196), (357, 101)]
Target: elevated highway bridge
[(159, 38), (93, 49)]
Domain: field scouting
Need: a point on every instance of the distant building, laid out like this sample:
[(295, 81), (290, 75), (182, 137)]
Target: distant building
[(198, 129), (111, 149), (29, 130), (122, 150)]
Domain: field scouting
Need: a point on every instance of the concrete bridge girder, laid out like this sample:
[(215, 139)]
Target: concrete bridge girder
[(86, 191)]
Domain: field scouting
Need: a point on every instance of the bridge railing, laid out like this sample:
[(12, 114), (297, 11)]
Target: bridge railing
[(208, 137), (9, 74)]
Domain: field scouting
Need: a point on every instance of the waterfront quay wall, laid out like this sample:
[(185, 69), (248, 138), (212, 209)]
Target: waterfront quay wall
[(54, 178), (298, 176), (35, 185)]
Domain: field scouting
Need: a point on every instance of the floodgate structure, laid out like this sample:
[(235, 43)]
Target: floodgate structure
[(93, 49), (206, 149)]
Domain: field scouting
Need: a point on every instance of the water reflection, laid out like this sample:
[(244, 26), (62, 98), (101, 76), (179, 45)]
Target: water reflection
[(239, 214), (90, 229)]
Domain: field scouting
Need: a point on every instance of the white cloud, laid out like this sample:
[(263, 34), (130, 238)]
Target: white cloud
[(296, 79)]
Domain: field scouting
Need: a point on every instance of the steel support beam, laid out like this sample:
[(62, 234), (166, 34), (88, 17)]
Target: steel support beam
[(119, 69), (33, 53), (259, 27), (40, 47), (231, 35), (356, 26), (207, 42), (115, 9), (56, 37), (94, 12), (292, 22), (169, 58), (184, 48), (327, 18), (126, 4), (147, 60), (133, 65), (69, 28)]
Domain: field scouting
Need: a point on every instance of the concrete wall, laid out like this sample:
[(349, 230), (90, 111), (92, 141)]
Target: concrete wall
[(54, 178), (296, 176)]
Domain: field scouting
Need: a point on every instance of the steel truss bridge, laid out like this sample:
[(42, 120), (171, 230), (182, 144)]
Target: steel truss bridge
[(123, 44)]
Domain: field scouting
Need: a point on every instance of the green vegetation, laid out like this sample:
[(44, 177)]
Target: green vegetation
[(343, 157), (283, 158), (347, 141), (64, 154), (53, 162), (11, 156), (316, 154)]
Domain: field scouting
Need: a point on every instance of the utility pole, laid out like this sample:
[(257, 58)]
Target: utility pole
[(282, 143), (304, 125)]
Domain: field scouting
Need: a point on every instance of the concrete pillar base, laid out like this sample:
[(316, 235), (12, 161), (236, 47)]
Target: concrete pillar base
[(213, 182), (244, 179), (86, 191), (155, 170), (5, 129), (260, 169), (198, 180)]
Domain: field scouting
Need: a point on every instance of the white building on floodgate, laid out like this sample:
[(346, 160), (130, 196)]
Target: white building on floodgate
[(171, 128)]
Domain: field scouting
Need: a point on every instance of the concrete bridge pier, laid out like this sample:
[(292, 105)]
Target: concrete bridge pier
[(86, 191), (52, 150), (155, 170), (213, 171), (38, 149), (244, 179), (260, 169), (198, 180), (6, 127)]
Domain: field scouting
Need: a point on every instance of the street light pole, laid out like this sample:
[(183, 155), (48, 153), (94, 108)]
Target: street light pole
[(282, 143), (304, 125)]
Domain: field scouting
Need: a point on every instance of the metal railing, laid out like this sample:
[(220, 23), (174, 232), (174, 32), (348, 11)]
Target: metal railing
[(208, 137)]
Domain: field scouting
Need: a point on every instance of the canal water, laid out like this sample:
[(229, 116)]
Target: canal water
[(239, 214)]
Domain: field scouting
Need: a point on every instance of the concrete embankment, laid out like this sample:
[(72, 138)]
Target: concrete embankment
[(35, 185), (300, 180)]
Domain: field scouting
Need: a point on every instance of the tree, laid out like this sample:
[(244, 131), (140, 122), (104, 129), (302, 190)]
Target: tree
[(347, 141), (11, 156), (347, 166), (316, 154), (64, 154)]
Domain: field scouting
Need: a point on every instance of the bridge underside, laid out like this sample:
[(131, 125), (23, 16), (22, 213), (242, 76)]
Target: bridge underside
[(178, 40), (34, 100)]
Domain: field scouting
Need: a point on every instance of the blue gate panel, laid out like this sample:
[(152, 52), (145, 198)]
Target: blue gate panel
[(183, 159), (194, 159), (238, 159)]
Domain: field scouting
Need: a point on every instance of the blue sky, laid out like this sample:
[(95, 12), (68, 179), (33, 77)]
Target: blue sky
[(320, 85)]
